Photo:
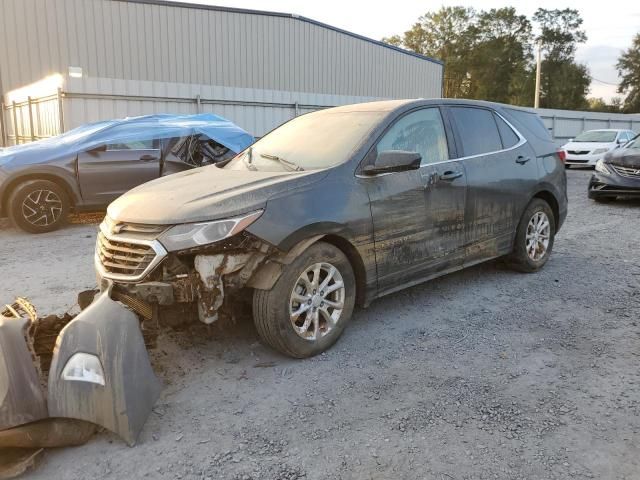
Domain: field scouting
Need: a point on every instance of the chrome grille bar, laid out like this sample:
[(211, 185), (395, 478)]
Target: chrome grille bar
[(123, 258), (626, 171)]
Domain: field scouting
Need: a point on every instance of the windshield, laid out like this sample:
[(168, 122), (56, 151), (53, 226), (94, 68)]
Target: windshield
[(596, 136), (310, 142), (635, 143)]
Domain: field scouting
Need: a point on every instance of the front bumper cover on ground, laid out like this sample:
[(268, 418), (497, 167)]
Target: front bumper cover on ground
[(106, 330)]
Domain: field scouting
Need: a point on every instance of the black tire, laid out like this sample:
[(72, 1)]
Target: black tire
[(519, 258), (271, 308), (38, 206)]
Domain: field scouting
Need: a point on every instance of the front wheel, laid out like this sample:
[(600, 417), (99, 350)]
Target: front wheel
[(534, 237), (310, 304), (38, 206)]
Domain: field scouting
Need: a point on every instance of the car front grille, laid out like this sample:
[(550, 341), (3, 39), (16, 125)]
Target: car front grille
[(626, 171), (578, 152), (126, 258)]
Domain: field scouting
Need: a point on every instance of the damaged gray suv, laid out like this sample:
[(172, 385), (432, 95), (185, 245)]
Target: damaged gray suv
[(331, 210), (334, 209)]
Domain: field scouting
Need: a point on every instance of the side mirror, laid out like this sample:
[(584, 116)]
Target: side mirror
[(621, 141), (391, 161), (98, 149)]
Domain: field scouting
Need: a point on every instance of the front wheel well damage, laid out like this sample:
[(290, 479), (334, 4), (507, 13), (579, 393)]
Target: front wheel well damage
[(266, 276)]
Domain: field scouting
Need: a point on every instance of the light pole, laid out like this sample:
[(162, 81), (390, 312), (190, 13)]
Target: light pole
[(536, 100)]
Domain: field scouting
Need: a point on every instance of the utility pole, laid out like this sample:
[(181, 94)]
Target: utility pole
[(536, 101)]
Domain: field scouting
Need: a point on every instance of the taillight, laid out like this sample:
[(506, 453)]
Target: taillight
[(562, 155)]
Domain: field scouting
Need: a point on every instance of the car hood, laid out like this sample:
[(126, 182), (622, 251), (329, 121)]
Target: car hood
[(206, 193), (590, 146), (624, 157)]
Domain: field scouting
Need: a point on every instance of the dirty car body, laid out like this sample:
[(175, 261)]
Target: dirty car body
[(90, 166), (332, 209)]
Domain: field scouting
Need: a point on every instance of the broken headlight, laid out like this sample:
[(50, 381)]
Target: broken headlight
[(602, 168), (191, 235)]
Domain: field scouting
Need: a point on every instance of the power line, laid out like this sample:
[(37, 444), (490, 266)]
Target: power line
[(602, 81)]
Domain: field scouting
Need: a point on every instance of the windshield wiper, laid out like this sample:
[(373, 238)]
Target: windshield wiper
[(290, 165)]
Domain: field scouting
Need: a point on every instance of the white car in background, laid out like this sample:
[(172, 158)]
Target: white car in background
[(590, 146)]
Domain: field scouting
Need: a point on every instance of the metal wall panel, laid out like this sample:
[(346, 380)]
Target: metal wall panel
[(145, 41), (566, 124)]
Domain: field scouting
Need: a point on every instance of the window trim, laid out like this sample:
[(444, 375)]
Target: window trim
[(155, 146), (522, 140)]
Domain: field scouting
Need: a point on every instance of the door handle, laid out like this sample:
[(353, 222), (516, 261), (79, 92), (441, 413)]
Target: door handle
[(147, 157), (450, 175), (522, 160)]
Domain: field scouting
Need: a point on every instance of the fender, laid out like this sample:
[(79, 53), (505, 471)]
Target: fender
[(63, 176), (269, 273)]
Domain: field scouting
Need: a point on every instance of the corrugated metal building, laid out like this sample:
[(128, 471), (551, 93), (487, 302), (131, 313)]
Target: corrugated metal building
[(68, 62)]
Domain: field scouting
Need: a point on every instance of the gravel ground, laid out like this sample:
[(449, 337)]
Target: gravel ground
[(482, 374)]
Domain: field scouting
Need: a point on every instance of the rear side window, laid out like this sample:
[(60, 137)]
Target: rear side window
[(509, 137), (478, 130), (531, 122)]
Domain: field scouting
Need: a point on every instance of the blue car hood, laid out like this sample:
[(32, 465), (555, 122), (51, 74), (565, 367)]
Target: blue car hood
[(147, 127)]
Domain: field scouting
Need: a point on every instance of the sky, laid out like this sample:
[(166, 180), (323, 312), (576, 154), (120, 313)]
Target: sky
[(609, 27)]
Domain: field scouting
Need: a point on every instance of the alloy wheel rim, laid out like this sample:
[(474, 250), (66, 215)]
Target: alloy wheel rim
[(317, 301), (42, 208), (538, 236)]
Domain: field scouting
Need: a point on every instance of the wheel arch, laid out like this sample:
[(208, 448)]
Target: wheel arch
[(552, 201), (269, 273), (20, 179)]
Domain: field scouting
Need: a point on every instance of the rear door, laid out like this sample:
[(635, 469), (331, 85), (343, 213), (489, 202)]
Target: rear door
[(417, 215), (501, 173), (105, 175)]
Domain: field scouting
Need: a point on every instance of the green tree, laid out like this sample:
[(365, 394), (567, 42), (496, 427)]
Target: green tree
[(564, 82), (629, 70), (501, 56), (447, 35)]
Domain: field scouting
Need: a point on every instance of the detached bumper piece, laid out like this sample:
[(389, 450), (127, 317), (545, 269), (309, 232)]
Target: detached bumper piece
[(101, 372), (100, 375)]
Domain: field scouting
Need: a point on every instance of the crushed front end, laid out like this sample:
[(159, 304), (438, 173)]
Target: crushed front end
[(162, 274)]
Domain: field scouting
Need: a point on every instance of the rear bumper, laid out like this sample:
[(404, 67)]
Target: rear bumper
[(613, 185), (105, 330)]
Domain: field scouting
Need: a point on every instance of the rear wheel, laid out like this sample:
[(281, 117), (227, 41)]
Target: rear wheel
[(310, 304), (38, 206), (534, 237)]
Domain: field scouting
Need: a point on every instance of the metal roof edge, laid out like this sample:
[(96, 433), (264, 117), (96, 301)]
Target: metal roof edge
[(171, 3)]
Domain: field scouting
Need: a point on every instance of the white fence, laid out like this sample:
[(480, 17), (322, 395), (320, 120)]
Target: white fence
[(567, 124)]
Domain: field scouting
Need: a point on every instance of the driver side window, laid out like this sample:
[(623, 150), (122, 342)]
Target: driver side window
[(421, 131)]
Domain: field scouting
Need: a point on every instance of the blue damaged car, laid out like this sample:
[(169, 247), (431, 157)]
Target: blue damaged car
[(89, 167)]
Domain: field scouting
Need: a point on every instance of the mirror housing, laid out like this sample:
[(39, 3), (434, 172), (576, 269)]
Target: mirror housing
[(97, 149), (391, 161)]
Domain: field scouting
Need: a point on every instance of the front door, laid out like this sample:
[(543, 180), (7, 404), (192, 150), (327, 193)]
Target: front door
[(418, 216), (106, 174)]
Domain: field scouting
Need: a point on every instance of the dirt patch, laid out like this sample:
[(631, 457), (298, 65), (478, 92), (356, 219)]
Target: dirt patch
[(486, 373)]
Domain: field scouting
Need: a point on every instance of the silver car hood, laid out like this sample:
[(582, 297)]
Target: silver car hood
[(207, 193)]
